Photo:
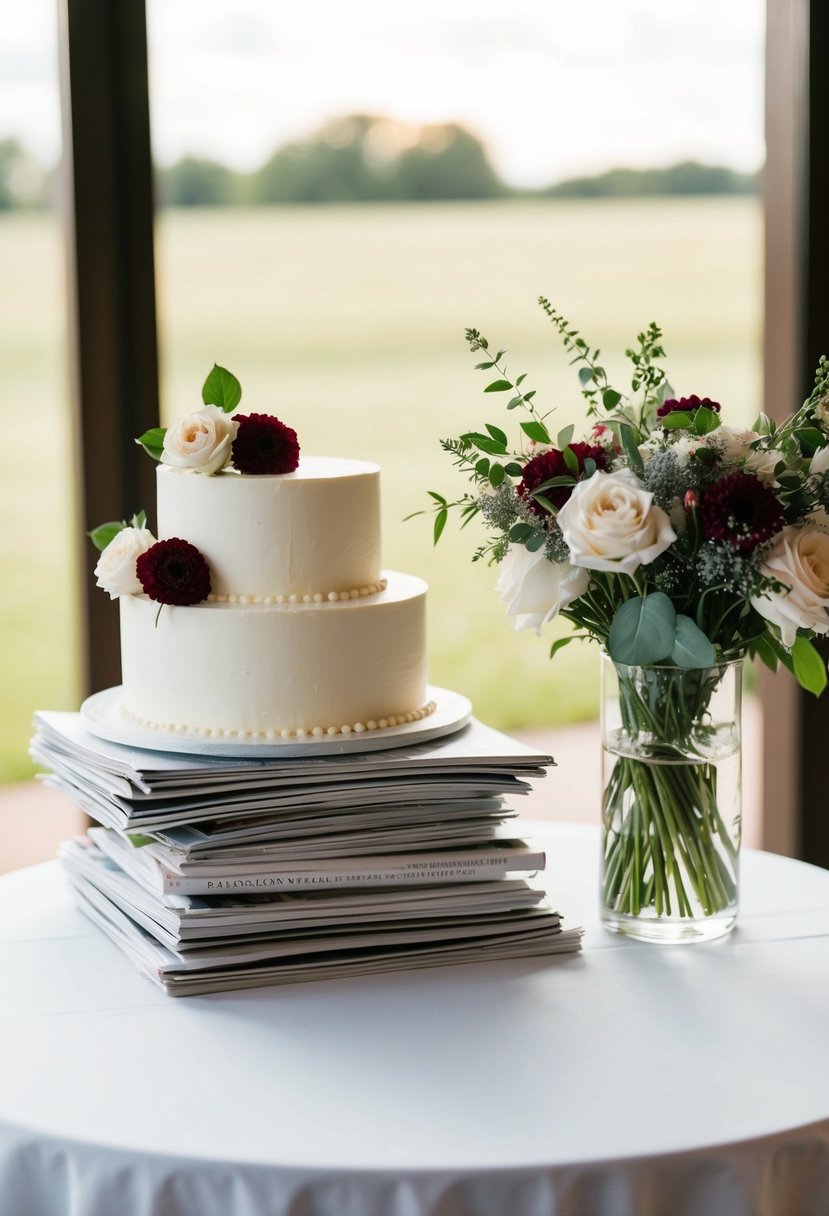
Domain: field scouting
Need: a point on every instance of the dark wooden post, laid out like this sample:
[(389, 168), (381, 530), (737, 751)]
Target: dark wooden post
[(107, 180), (797, 333), (813, 737)]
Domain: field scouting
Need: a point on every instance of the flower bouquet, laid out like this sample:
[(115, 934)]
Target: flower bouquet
[(681, 544)]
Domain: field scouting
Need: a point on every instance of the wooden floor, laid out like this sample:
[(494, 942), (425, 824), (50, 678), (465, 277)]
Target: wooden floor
[(33, 819)]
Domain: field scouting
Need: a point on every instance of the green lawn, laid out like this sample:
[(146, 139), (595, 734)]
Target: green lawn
[(348, 322)]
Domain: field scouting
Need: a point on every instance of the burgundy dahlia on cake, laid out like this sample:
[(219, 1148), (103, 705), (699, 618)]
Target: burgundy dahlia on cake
[(263, 444), (174, 572)]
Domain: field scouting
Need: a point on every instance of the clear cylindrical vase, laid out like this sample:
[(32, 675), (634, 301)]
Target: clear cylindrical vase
[(671, 810)]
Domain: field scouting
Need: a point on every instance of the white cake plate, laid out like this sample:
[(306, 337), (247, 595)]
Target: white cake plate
[(103, 716)]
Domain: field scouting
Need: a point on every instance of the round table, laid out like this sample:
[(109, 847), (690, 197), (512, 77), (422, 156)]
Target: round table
[(629, 1080)]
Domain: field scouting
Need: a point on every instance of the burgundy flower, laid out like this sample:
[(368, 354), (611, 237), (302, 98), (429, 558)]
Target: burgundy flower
[(687, 405), (263, 444), (174, 572), (741, 510), (551, 464)]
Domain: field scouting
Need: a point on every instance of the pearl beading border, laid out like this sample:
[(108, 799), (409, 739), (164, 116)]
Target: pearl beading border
[(318, 597), (315, 732)]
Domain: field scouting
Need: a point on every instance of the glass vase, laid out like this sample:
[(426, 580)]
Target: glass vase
[(671, 808)]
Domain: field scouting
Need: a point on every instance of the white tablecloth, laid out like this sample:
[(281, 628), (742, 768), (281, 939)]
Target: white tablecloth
[(633, 1080)]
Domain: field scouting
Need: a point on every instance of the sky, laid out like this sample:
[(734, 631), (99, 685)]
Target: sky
[(555, 88)]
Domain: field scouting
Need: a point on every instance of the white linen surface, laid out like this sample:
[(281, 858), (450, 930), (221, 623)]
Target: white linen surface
[(633, 1080)]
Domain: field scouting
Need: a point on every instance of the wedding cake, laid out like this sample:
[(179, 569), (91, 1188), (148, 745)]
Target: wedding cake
[(262, 610)]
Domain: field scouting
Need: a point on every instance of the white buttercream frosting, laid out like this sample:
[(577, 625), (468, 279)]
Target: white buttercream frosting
[(259, 668), (309, 532)]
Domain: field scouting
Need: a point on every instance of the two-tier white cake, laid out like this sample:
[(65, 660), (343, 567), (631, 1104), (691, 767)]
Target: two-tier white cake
[(303, 634)]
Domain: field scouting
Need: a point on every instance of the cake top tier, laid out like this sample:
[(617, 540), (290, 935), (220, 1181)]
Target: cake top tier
[(311, 533)]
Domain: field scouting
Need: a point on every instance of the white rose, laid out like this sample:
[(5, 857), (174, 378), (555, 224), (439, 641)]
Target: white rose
[(115, 571), (762, 464), (819, 517), (800, 560), (734, 442), (820, 461), (535, 589), (610, 523), (201, 441), (685, 446)]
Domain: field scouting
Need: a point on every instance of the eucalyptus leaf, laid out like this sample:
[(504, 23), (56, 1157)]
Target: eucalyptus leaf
[(809, 668), (643, 630), (498, 386), (691, 646), (496, 475), (585, 375), (610, 398), (221, 388), (565, 435), (535, 542), (519, 532), (513, 469)]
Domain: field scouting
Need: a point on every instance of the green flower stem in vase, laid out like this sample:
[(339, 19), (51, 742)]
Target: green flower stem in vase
[(671, 813)]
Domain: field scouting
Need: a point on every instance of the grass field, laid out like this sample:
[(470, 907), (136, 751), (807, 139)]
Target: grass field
[(348, 323)]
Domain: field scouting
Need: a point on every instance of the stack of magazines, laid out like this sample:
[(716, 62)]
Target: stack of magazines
[(214, 873)]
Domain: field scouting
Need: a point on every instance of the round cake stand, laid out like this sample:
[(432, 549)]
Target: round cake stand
[(103, 716)]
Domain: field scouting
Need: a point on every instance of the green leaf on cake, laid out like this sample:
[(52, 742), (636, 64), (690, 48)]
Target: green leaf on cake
[(221, 388), (152, 441), (104, 534)]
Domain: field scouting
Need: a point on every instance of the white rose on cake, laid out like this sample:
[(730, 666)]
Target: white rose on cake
[(610, 522), (202, 441), (799, 559), (115, 571), (535, 589)]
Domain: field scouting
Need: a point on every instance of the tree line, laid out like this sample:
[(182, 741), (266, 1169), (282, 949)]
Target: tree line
[(366, 158)]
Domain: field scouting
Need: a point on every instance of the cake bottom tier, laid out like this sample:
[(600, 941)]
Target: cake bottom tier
[(269, 670)]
